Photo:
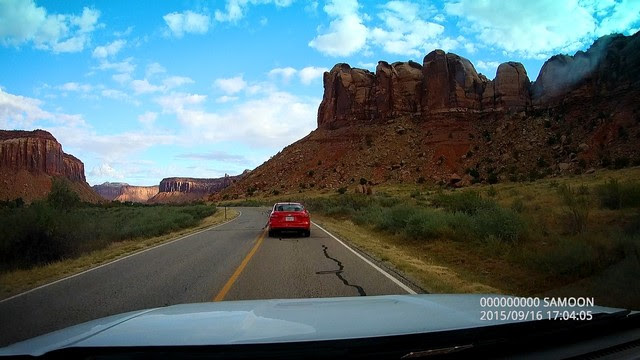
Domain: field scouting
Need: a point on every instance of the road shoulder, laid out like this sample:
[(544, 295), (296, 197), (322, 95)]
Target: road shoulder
[(401, 261), (19, 281)]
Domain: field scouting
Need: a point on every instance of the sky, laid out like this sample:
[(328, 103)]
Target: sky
[(142, 90)]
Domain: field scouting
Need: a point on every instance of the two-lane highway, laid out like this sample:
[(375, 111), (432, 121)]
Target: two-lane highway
[(233, 261)]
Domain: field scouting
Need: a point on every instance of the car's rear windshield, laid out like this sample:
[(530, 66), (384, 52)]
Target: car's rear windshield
[(289, 207)]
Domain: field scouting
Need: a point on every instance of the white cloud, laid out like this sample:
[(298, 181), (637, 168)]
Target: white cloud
[(148, 118), (346, 34), (119, 95), (187, 22), (231, 85), (126, 32), (121, 78), (125, 66), (489, 67), (536, 29), (310, 73), (154, 68), (176, 81), (75, 87), (236, 9), (110, 49), (470, 47), (143, 86), (176, 102), (19, 112), (105, 170), (21, 21), (274, 120), (307, 75), (226, 98), (370, 65), (404, 32), (623, 15), (284, 73)]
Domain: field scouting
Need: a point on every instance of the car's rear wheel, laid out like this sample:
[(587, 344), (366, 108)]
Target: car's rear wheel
[(272, 233), (306, 233)]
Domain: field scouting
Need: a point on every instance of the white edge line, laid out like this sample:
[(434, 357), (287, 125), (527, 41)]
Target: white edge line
[(396, 281), (119, 259)]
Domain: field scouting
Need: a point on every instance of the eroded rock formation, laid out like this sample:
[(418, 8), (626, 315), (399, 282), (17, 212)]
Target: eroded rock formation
[(447, 82), (38, 151), (125, 192), (28, 162)]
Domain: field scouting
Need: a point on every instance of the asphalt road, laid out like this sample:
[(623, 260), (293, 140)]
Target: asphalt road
[(234, 261)]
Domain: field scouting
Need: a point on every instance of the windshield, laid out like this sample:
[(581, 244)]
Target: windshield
[(442, 147)]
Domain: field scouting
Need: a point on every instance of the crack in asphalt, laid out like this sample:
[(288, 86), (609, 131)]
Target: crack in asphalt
[(338, 272)]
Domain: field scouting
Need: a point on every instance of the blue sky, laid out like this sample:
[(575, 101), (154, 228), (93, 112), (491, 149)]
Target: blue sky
[(141, 90)]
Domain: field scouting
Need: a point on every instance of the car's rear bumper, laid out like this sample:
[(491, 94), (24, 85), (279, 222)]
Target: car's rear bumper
[(290, 225)]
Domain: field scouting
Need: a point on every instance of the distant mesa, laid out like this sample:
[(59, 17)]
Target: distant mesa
[(115, 191), (182, 189), (29, 160)]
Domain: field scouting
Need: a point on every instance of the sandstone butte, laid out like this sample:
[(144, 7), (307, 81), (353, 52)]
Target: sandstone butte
[(123, 192), (29, 160), (182, 189), (441, 121)]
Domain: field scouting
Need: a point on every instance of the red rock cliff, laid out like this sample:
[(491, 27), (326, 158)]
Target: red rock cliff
[(38, 151), (447, 82), (194, 185)]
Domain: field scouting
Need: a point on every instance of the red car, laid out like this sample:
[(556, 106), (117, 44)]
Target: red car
[(289, 216)]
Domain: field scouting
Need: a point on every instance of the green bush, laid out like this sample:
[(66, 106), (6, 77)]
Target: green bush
[(468, 202), (41, 233), (61, 196), (615, 195), (577, 208), (499, 223)]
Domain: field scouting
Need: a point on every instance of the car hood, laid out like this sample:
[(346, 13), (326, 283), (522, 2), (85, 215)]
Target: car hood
[(273, 321)]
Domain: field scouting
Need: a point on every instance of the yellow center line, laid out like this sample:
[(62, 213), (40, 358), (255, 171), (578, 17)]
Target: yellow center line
[(243, 264)]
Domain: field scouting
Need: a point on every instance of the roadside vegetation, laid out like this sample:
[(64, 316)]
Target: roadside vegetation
[(575, 235), (62, 227)]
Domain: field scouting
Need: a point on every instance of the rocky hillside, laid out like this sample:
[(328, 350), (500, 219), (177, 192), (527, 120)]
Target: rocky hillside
[(176, 190), (441, 121), (125, 192), (28, 161)]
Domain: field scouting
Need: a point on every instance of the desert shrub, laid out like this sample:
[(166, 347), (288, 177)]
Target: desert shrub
[(492, 192), (342, 190), (502, 224), (517, 205), (468, 202), (41, 233), (576, 208), (492, 178), (61, 196), (615, 195)]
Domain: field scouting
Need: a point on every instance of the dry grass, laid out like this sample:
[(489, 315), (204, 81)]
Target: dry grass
[(550, 259), (17, 281), (431, 275)]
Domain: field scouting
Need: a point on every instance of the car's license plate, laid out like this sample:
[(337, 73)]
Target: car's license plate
[(289, 218)]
